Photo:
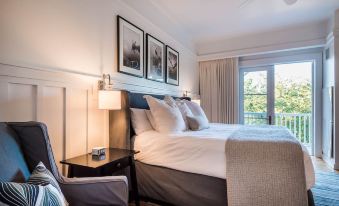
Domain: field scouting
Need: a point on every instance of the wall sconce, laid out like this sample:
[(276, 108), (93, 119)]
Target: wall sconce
[(185, 94), (107, 97), (105, 83), (196, 98)]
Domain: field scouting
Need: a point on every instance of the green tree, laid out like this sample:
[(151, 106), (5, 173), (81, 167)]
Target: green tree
[(293, 97), (290, 96)]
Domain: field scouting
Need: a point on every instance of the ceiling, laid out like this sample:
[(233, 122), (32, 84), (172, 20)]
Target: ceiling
[(206, 20)]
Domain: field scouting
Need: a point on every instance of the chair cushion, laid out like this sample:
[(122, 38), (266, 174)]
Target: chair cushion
[(12, 162)]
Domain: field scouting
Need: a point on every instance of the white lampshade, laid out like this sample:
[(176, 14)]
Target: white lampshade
[(109, 99)]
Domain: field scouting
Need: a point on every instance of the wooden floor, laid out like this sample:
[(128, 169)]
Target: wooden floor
[(319, 165)]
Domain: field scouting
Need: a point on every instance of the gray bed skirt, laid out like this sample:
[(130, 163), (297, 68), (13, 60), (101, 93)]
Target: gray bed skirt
[(179, 188), (174, 187)]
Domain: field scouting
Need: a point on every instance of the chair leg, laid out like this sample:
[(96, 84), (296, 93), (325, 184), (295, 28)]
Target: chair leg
[(310, 198)]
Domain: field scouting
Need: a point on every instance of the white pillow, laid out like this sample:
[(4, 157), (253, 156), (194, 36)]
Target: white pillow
[(197, 123), (196, 109), (184, 110), (140, 121), (168, 118), (151, 119)]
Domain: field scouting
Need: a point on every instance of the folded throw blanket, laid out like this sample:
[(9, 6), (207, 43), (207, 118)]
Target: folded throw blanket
[(265, 167)]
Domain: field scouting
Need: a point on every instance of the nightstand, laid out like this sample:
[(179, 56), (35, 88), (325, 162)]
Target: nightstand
[(115, 160)]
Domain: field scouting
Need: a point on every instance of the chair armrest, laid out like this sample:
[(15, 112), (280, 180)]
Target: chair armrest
[(110, 190)]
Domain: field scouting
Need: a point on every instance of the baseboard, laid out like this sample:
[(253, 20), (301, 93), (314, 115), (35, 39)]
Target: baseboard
[(330, 162)]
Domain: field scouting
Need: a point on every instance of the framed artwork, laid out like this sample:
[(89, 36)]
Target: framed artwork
[(155, 59), (130, 48), (172, 66)]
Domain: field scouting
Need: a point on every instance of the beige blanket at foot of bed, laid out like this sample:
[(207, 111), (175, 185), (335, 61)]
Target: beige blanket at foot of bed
[(265, 167)]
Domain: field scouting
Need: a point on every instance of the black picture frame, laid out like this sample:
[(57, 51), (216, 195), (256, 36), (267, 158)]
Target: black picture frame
[(150, 59), (126, 65), (170, 80)]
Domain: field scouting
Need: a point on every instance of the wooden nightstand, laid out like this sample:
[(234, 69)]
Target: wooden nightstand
[(114, 160)]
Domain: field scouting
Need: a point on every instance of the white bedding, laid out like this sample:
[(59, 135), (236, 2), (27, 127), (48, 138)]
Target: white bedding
[(200, 152)]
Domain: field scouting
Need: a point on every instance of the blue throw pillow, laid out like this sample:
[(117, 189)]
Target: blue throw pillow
[(41, 189)]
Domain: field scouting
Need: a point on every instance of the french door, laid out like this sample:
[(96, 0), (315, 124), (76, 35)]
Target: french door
[(257, 95), (285, 94)]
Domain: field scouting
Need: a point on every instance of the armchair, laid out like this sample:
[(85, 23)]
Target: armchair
[(24, 145)]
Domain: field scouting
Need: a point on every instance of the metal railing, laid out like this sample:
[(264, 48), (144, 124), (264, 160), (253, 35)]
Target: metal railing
[(299, 124)]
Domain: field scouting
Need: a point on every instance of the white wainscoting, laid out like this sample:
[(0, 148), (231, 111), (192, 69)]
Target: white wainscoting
[(66, 102)]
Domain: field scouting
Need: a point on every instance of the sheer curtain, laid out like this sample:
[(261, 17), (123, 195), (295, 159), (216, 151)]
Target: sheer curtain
[(219, 81)]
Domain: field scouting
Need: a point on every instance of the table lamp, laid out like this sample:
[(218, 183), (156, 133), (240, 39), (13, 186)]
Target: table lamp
[(108, 99)]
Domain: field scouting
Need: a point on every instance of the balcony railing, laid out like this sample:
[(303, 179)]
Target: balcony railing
[(299, 124)]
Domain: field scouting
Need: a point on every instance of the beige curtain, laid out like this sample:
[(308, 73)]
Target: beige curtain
[(219, 90)]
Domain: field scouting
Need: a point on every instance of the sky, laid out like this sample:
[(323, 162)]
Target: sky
[(294, 71), (297, 72)]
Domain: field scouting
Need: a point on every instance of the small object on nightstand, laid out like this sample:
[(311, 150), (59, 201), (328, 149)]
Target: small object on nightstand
[(97, 151), (98, 157), (115, 160)]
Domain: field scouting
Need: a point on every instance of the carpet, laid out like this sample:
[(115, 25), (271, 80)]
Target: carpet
[(326, 189)]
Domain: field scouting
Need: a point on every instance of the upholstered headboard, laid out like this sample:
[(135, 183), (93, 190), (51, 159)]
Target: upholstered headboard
[(120, 127)]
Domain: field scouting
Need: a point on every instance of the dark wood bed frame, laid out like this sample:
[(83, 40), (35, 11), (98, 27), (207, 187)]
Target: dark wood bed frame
[(159, 184)]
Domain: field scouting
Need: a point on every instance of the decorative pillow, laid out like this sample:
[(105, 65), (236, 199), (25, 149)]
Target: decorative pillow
[(150, 118), (197, 123), (23, 194), (40, 189), (42, 176), (170, 101), (140, 121), (168, 118), (196, 109), (185, 111)]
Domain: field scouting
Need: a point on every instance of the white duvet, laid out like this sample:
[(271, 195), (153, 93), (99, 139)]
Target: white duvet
[(200, 152)]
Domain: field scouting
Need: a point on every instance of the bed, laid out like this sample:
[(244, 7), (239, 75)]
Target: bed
[(175, 170)]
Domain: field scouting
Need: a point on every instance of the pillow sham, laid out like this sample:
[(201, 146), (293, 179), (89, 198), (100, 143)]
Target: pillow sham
[(170, 101), (168, 118), (196, 109), (184, 109), (197, 123), (140, 121), (151, 119), (40, 189)]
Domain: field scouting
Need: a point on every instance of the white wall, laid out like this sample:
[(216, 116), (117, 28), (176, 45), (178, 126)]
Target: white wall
[(296, 37), (328, 82), (331, 78), (52, 54), (336, 88), (80, 36), (65, 102)]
